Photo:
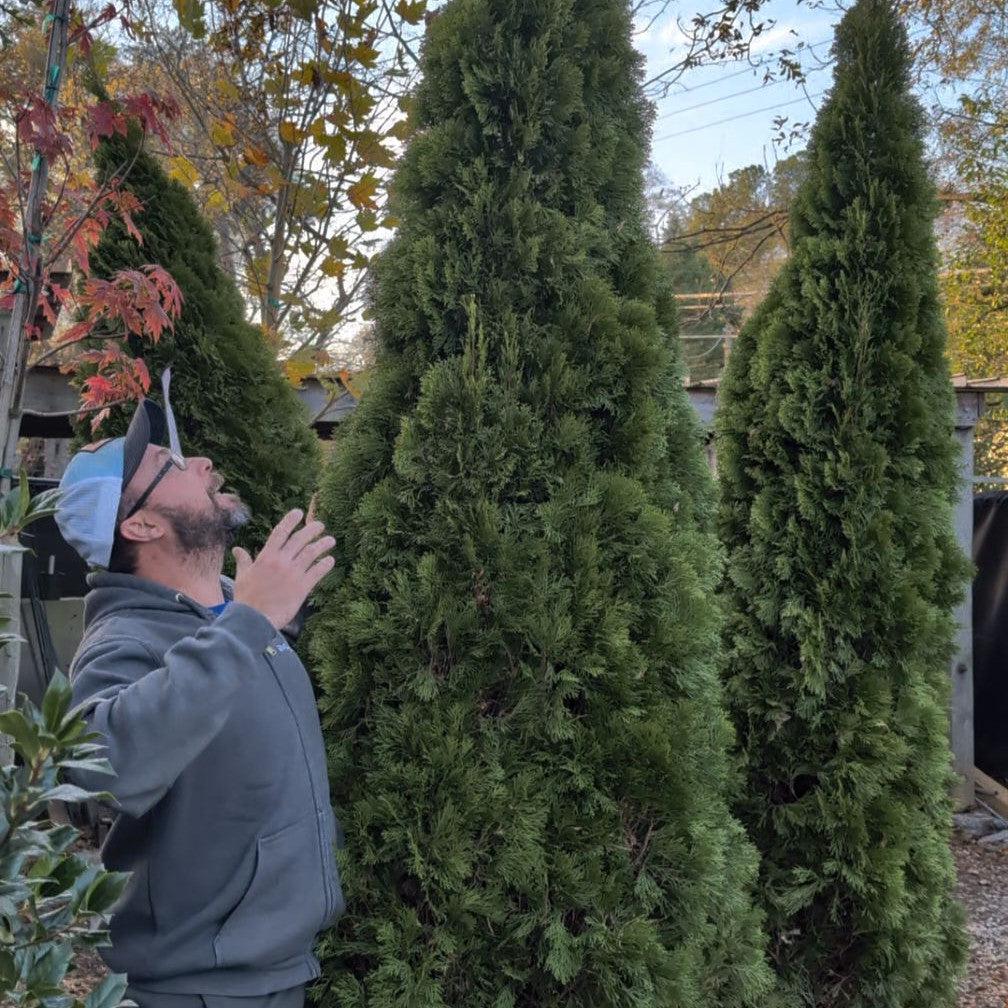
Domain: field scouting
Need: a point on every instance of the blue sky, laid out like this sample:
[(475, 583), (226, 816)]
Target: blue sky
[(689, 148)]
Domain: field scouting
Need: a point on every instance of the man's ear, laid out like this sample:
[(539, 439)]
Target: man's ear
[(140, 528)]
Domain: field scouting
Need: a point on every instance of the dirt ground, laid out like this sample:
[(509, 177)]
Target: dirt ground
[(983, 891), (982, 888)]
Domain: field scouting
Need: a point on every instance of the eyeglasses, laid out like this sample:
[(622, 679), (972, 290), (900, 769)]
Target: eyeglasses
[(173, 461)]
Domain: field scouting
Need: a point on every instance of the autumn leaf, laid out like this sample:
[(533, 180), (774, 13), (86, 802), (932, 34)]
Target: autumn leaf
[(362, 192), (256, 157), (371, 151), (182, 170), (365, 54), (401, 130), (367, 220), (411, 13), (300, 366), (289, 133), (333, 267), (217, 202), (104, 121), (190, 15), (304, 9), (222, 133)]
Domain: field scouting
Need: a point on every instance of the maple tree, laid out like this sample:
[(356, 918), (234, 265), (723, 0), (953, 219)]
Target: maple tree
[(292, 115), (52, 214)]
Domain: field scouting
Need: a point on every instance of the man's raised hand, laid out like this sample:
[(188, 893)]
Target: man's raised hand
[(287, 569)]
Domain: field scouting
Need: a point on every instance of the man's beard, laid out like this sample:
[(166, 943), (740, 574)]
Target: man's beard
[(201, 534)]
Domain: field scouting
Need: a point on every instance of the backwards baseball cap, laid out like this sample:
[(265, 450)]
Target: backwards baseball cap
[(93, 484)]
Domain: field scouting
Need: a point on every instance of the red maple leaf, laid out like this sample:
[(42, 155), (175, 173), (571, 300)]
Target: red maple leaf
[(103, 120)]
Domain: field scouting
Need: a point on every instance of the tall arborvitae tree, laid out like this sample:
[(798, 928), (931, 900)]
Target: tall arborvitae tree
[(232, 402), (838, 472), (517, 648)]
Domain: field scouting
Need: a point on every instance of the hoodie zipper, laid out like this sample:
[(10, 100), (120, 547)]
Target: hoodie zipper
[(321, 832)]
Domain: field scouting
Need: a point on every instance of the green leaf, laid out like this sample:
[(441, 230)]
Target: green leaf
[(109, 993), (8, 970), (22, 732), (56, 701), (68, 793), (101, 896)]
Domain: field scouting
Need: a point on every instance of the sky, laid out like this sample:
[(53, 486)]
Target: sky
[(692, 146)]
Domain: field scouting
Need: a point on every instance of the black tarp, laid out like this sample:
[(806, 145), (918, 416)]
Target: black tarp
[(990, 632)]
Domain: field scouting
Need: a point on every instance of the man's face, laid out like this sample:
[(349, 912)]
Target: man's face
[(186, 503)]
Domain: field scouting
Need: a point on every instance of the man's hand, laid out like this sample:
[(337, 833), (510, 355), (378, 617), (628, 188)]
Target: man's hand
[(287, 569)]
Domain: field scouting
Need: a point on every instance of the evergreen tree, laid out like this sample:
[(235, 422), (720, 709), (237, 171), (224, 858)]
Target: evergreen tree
[(230, 398), (838, 474), (517, 647)]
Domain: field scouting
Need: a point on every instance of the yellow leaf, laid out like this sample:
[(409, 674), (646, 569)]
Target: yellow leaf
[(360, 104), (216, 201), (289, 133), (390, 222), (227, 88), (367, 221), (344, 81), (335, 149), (401, 130), (411, 13), (365, 54), (183, 170), (317, 130), (362, 192), (370, 150), (333, 267), (222, 133), (299, 367)]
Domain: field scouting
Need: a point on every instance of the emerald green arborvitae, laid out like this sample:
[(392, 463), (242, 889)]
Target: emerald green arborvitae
[(517, 649), (232, 402), (838, 473)]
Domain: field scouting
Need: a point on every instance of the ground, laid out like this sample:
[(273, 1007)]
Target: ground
[(983, 891), (982, 888)]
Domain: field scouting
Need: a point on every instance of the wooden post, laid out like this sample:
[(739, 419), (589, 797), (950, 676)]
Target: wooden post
[(10, 573), (969, 406)]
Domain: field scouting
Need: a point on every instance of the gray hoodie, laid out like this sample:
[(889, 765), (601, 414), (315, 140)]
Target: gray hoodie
[(225, 821)]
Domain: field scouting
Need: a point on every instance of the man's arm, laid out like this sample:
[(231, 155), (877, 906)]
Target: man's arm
[(154, 718)]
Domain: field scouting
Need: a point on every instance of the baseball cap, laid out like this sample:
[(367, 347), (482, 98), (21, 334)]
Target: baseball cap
[(92, 486)]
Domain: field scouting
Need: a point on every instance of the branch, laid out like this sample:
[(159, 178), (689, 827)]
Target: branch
[(103, 191), (76, 412)]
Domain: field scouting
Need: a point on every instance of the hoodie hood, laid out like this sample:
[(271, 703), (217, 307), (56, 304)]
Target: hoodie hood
[(115, 593)]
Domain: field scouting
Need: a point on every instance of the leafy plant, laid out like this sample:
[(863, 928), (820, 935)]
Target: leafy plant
[(53, 901)]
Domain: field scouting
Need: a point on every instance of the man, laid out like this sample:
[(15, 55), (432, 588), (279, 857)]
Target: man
[(210, 725)]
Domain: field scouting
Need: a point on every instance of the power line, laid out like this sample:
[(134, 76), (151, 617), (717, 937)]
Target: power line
[(721, 98), (741, 115)]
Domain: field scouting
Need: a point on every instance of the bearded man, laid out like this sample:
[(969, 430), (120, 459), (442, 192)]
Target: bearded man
[(209, 723)]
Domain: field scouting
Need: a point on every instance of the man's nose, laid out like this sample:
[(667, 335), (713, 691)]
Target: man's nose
[(204, 465)]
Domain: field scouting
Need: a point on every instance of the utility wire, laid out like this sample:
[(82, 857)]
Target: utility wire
[(741, 115), (721, 98)]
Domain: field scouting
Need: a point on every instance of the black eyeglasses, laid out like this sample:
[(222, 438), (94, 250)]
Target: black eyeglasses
[(173, 461)]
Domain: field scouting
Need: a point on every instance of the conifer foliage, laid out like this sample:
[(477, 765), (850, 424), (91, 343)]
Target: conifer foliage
[(516, 650), (838, 474), (232, 402)]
